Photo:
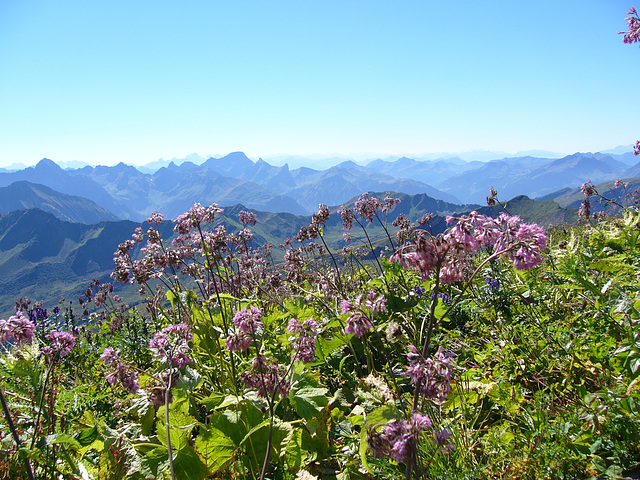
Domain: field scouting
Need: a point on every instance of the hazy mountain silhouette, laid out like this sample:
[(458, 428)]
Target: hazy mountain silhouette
[(23, 195)]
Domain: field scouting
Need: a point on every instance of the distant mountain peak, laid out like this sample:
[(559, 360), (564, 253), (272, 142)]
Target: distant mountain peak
[(48, 164)]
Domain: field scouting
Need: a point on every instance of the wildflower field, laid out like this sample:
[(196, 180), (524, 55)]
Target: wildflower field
[(493, 350)]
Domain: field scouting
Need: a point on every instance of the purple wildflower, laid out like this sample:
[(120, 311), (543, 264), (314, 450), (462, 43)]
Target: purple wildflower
[(247, 217), (347, 217), (399, 438), (171, 343), (304, 343), (632, 35), (156, 217), (18, 327), (588, 189), (238, 341), (366, 206), (248, 320), (60, 344), (361, 312), (120, 372), (266, 376), (433, 375), (195, 216)]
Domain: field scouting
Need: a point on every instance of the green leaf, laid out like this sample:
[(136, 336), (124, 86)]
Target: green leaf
[(294, 453), (61, 439), (188, 465), (180, 424), (308, 401), (215, 449), (87, 436)]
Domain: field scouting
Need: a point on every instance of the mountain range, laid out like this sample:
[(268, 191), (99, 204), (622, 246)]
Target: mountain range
[(129, 193)]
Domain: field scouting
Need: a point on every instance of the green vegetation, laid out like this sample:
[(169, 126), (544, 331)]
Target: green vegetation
[(473, 355)]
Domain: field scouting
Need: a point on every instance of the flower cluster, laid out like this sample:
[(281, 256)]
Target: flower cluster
[(247, 217), (157, 390), (195, 216), (347, 217), (399, 438), (248, 324), (361, 312), (120, 372), (366, 207), (431, 375), (507, 235), (304, 343), (266, 377), (633, 22), (172, 344), (60, 345), (18, 327), (389, 202)]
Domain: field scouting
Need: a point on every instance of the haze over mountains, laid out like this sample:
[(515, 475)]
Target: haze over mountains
[(133, 193)]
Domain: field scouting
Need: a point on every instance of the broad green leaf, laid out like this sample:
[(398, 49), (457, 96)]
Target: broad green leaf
[(180, 424), (215, 449), (189, 466), (294, 453), (308, 401)]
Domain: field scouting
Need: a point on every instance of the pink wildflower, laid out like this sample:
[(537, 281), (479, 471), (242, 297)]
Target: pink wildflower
[(247, 217), (60, 344), (632, 35), (266, 376), (248, 320), (304, 344), (127, 376), (399, 439), (18, 327), (362, 312), (171, 343)]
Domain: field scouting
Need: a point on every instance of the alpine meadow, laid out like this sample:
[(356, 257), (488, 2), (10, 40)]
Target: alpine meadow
[(204, 320)]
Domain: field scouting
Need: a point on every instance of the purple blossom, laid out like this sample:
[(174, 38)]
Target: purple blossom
[(361, 312), (120, 372), (195, 216), (60, 344), (507, 235), (248, 320), (171, 343), (156, 217), (585, 209), (304, 343), (632, 35), (399, 438), (266, 377), (588, 189), (389, 202), (347, 217), (247, 217), (238, 341), (320, 218), (18, 327), (366, 206), (433, 375)]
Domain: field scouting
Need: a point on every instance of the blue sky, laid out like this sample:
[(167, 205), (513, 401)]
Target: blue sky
[(133, 81)]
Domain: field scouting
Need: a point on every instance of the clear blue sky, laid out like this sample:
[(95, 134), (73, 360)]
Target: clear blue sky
[(137, 80)]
